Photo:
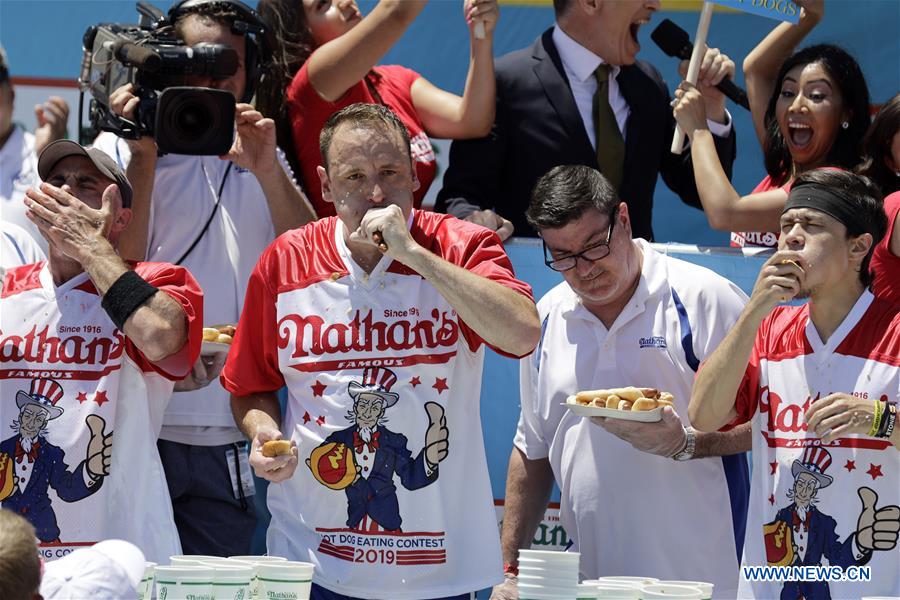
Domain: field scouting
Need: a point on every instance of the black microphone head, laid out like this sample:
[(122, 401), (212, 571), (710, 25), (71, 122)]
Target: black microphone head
[(672, 39)]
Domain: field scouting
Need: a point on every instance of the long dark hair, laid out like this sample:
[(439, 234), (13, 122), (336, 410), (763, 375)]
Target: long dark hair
[(294, 44), (845, 152), (877, 147)]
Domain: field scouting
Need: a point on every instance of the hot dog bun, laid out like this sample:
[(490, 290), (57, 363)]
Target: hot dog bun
[(644, 404), (276, 448), (625, 398)]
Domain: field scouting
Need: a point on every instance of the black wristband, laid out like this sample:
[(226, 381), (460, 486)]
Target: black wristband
[(125, 296)]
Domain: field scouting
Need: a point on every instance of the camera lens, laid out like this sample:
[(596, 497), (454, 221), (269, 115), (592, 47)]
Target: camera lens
[(195, 121)]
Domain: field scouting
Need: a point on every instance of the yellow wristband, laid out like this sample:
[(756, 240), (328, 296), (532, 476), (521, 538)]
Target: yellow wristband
[(876, 423)]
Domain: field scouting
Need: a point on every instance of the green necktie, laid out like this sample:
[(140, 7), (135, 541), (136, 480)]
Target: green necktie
[(610, 145)]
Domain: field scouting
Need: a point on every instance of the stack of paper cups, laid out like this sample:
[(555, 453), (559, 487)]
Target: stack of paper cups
[(547, 575), (184, 582), (255, 562), (288, 579), (232, 579), (145, 587)]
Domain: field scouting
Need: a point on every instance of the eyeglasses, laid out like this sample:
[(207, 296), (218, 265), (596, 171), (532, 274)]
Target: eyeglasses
[(590, 254)]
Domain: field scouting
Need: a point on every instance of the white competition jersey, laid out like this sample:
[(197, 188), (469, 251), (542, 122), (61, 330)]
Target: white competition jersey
[(62, 357), (18, 172), (790, 368), (184, 197), (629, 512), (341, 340)]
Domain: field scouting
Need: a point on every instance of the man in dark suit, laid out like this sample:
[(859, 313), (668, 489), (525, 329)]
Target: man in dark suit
[(549, 113)]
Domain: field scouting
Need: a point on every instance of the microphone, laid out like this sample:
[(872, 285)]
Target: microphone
[(139, 56), (675, 41)]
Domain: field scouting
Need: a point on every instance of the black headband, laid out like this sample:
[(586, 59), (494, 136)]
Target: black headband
[(824, 200)]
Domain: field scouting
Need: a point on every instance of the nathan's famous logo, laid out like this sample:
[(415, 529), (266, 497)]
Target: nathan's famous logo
[(312, 335), (783, 417), (40, 347)]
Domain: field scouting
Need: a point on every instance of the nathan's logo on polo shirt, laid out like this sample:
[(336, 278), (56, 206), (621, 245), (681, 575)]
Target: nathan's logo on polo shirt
[(656, 341), (312, 335)]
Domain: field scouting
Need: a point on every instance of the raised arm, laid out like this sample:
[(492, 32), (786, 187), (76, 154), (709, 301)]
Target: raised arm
[(725, 209), (254, 149), (341, 63), (502, 317), (158, 326), (715, 388), (762, 64), (449, 116)]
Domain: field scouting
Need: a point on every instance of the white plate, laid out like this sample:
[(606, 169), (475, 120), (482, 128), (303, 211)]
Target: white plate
[(644, 416), (214, 347)]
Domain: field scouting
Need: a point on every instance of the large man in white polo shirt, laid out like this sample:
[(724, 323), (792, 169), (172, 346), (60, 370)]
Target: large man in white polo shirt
[(625, 315)]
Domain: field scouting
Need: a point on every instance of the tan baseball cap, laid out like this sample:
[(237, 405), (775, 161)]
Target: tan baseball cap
[(61, 149)]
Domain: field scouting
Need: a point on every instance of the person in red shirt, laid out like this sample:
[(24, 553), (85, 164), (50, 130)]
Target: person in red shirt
[(328, 61), (882, 165), (810, 110)]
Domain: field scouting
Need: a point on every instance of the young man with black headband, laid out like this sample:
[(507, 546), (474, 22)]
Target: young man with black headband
[(214, 215), (820, 384)]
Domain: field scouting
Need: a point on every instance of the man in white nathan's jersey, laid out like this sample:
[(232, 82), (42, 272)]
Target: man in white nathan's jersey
[(376, 320), (819, 383), (89, 350)]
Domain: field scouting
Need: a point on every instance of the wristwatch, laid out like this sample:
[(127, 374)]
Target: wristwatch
[(690, 442)]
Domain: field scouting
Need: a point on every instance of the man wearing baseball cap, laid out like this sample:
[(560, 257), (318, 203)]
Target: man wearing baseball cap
[(819, 383), (115, 336)]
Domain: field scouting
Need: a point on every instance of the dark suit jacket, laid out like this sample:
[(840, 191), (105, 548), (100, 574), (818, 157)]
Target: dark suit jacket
[(376, 495), (50, 470), (538, 127)]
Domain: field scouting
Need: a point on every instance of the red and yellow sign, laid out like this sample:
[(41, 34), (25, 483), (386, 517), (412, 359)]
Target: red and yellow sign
[(333, 466)]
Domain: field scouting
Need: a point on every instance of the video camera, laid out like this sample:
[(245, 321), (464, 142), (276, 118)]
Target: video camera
[(182, 118)]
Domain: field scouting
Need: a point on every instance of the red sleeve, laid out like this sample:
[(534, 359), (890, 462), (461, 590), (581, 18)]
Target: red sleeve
[(885, 264), (252, 364), (181, 286), (484, 255), (399, 74)]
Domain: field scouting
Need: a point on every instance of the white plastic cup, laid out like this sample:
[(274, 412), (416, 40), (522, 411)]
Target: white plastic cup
[(288, 580), (631, 580), (256, 559), (233, 562), (232, 582), (616, 591), (184, 582), (146, 584), (682, 592), (191, 559), (705, 588), (586, 591)]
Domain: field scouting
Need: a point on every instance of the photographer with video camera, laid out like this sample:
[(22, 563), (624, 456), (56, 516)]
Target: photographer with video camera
[(213, 215)]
